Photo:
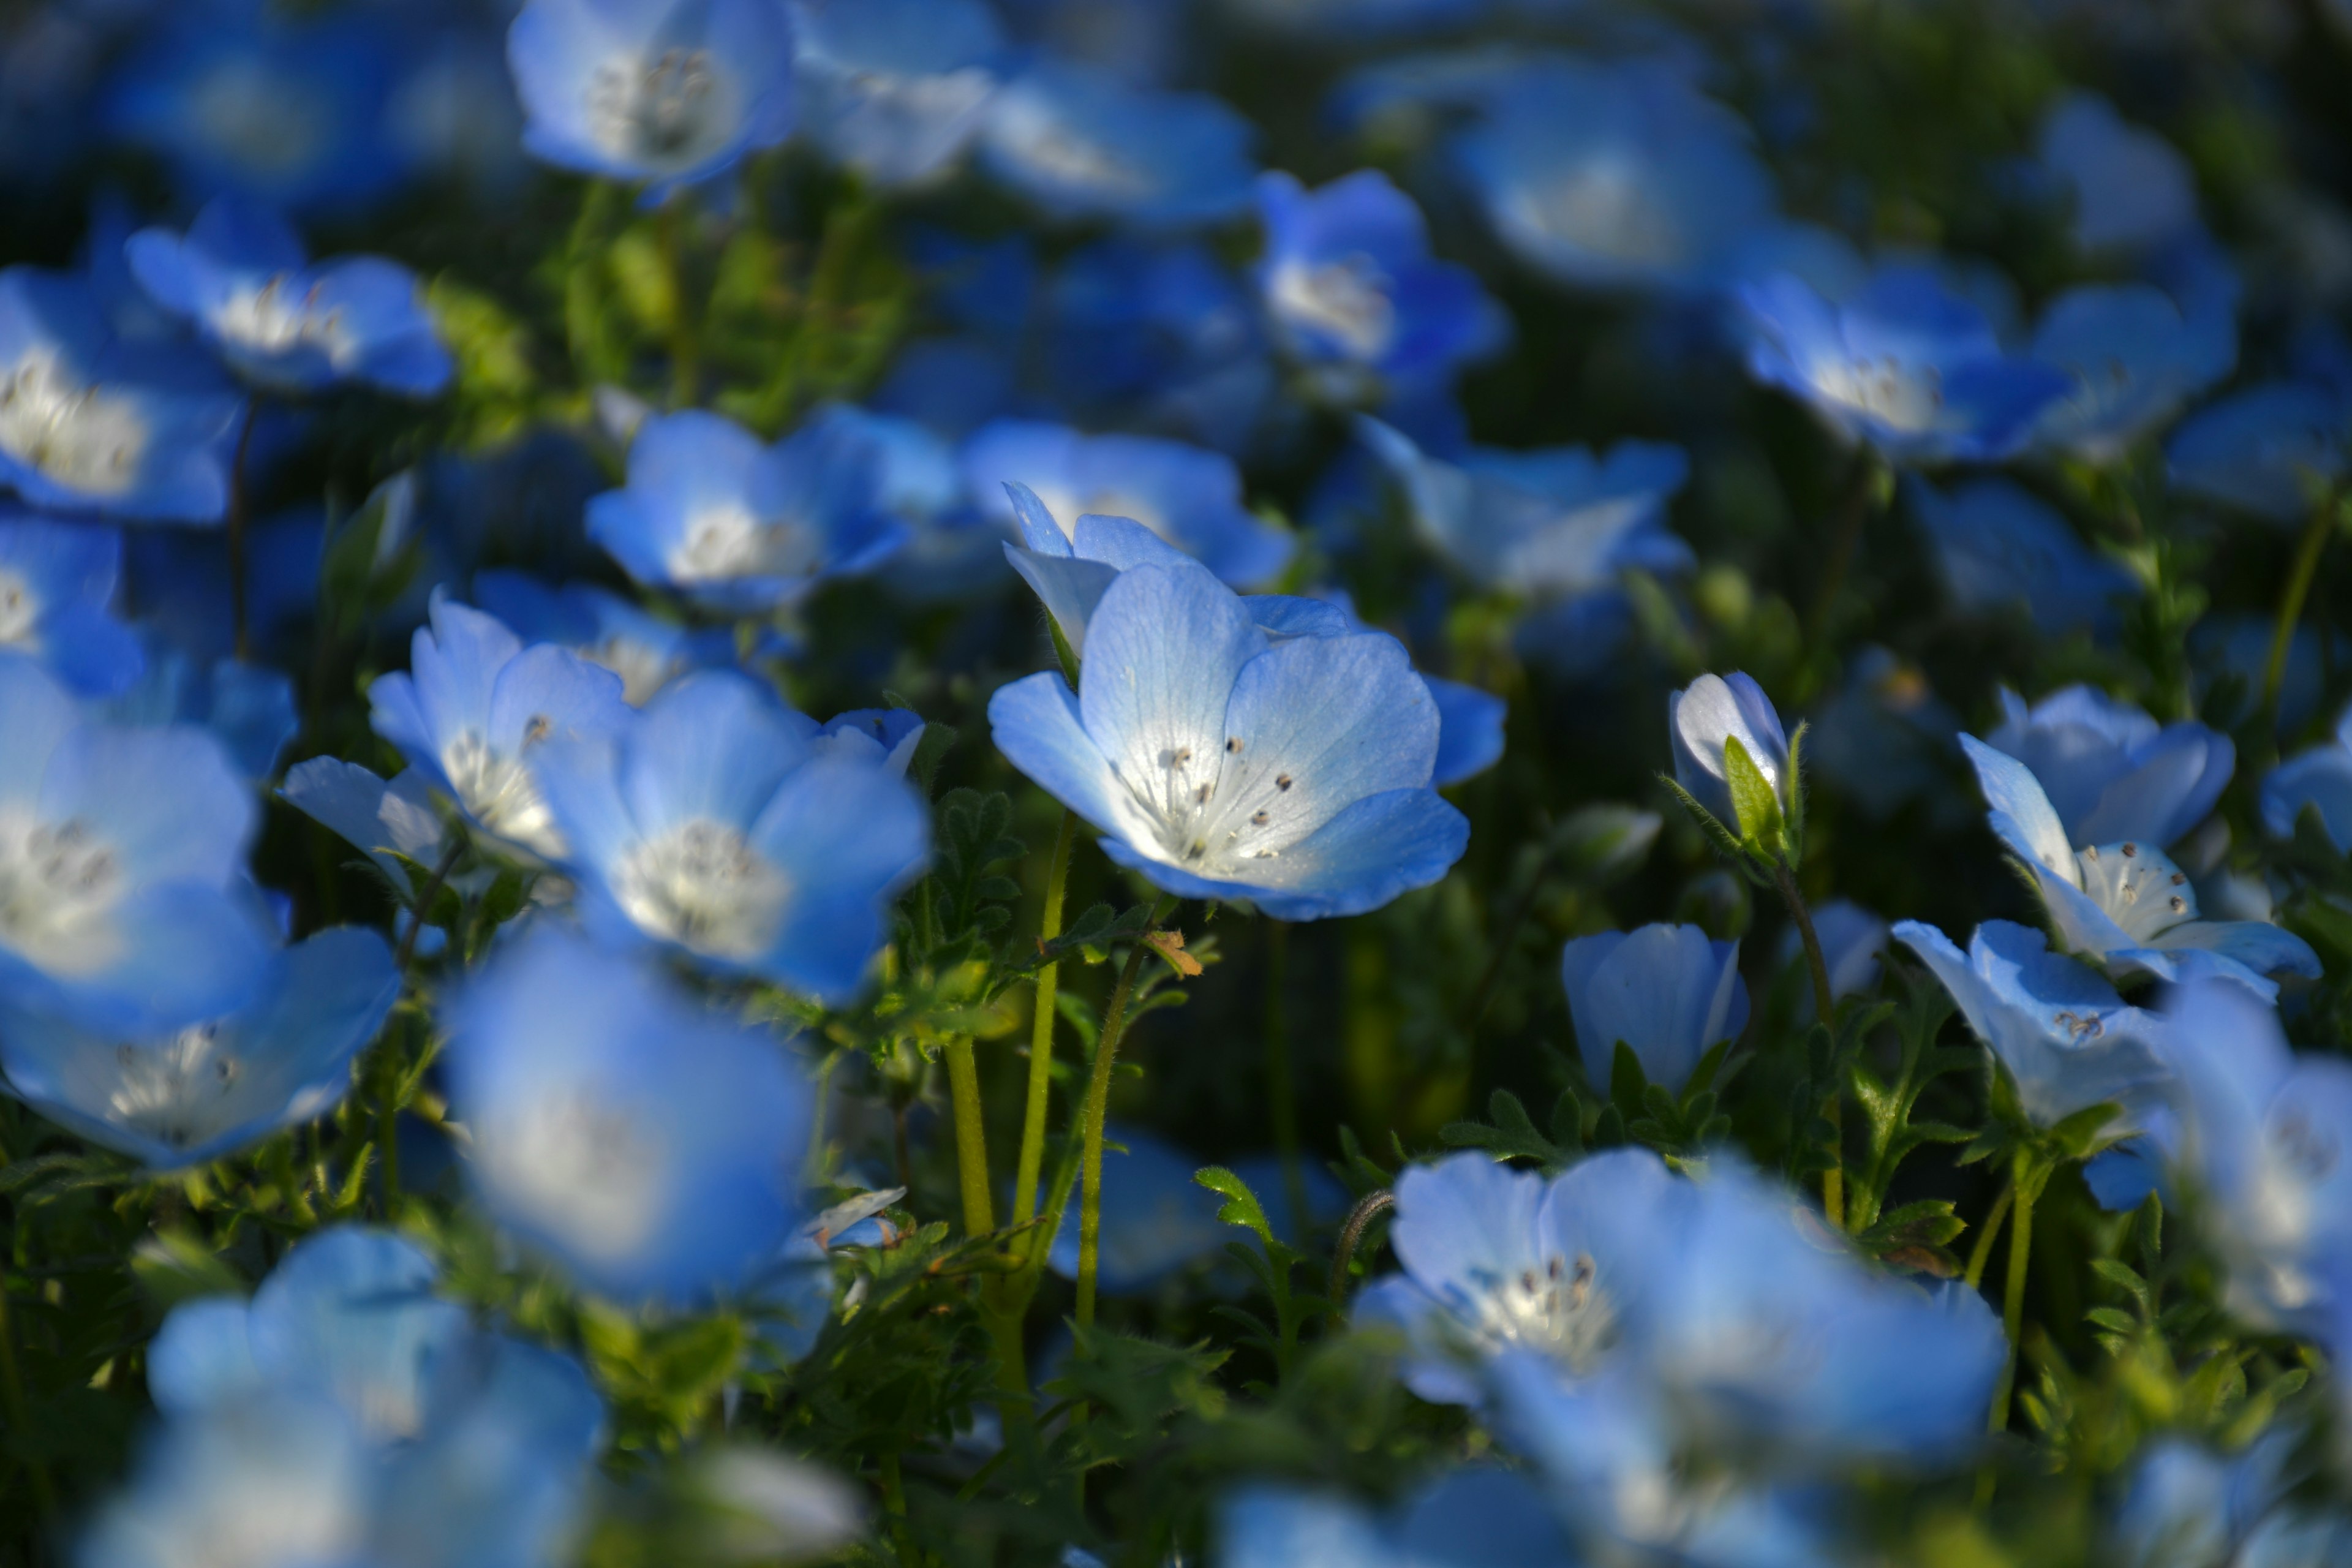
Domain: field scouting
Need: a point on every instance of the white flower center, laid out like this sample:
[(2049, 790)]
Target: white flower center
[(1223, 808), (499, 792), (83, 436), (668, 110), (702, 886), (1905, 396), (18, 610), (1556, 1309), (180, 1092), (1063, 155), (2139, 888), (1600, 207), (644, 669), (581, 1168), (1347, 300), (59, 883), (725, 542), (275, 318)]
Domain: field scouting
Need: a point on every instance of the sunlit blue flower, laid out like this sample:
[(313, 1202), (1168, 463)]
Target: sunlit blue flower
[(1468, 1518), (185, 1097), (2272, 449), (1080, 143), (2135, 358), (652, 91), (1187, 495), (2123, 904), (603, 627), (651, 1147), (122, 901), (1707, 714), (92, 421), (741, 527), (474, 707), (2109, 770), (715, 821), (1159, 337), (1616, 176), (1905, 366), (2067, 1040), (2132, 190), (1291, 775), (241, 279), (895, 89), (1157, 1220), (1355, 296), (2320, 778), (248, 708), (1666, 991), (57, 584), (1999, 546)]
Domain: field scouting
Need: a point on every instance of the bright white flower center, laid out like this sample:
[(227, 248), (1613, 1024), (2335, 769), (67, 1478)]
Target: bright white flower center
[(83, 436), (725, 542), (702, 886), (581, 1168), (1222, 809), (276, 317), (1347, 301), (644, 669), (18, 610), (59, 884), (1555, 1309), (669, 110), (180, 1092), (1907, 397), (2139, 888), (499, 792), (1601, 207)]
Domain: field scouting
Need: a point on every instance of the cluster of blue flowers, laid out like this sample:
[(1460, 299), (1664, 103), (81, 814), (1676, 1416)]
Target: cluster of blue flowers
[(880, 781)]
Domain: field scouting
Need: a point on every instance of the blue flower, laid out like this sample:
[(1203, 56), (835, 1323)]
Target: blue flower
[(1905, 366), (2123, 905), (1158, 337), (2132, 190), (1560, 522), (2066, 1037), (248, 708), (1666, 991), (1186, 495), (883, 738), (2109, 772), (1469, 730), (240, 277), (91, 422), (379, 820), (1080, 143), (2273, 450), (1468, 1518), (715, 822), (474, 708), (1355, 296), (604, 628), (1616, 176), (1291, 775), (2320, 778), (123, 902), (895, 89), (57, 584), (740, 527), (2135, 358), (1884, 740), (1707, 714), (1998, 546), (185, 1097), (2187, 1505), (652, 91), (651, 1147)]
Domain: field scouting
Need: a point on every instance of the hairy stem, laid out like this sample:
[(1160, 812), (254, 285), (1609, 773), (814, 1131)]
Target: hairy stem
[(1982, 1253), (1097, 1106), (1041, 1032), (1833, 1179), (971, 1136), (2314, 544), (423, 904), (2012, 1308), (1370, 1208)]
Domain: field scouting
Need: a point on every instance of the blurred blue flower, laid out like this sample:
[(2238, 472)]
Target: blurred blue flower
[(2109, 770), (2134, 357), (2064, 1036), (1160, 337), (715, 821), (2273, 450), (1852, 939), (1884, 740), (1468, 1518), (895, 89), (1905, 366), (379, 820), (474, 709), (1080, 145), (1293, 775), (185, 1097), (883, 738), (123, 900), (1188, 496), (650, 90), (1711, 711), (1355, 296), (176, 587), (2187, 1506), (2123, 905), (1157, 1220), (1615, 174), (2130, 188), (248, 708), (2320, 778), (93, 421), (649, 1145), (1666, 991), (604, 628), (1999, 546), (241, 279), (739, 527), (57, 584)]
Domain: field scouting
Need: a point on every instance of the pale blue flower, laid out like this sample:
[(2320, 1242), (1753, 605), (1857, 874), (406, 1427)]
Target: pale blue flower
[(248, 708), (2123, 905), (1666, 991), (2136, 358), (2273, 450), (184, 1097), (2109, 770), (720, 823), (739, 526), (2066, 1038), (1080, 143), (1469, 1518), (650, 1146), (1292, 775), (2132, 190), (1703, 717), (385, 822), (895, 88), (2320, 779), (1998, 546), (123, 901), (652, 91), (241, 279), (474, 709), (604, 628), (58, 582)]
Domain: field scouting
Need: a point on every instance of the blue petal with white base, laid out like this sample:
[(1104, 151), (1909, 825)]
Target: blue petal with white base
[(58, 582), (1079, 143), (1666, 991)]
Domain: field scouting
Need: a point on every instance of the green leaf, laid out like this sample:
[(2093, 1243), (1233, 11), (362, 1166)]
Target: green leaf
[(1241, 1206), (1727, 842), (1753, 799)]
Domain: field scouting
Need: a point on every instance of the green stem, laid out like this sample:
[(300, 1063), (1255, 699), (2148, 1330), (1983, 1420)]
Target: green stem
[(1281, 1088), (2028, 1185), (1041, 1032), (2300, 577), (894, 1505), (583, 297), (1097, 1106), (1982, 1253), (387, 1134), (684, 371), (971, 1136), (423, 904), (1833, 1179)]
